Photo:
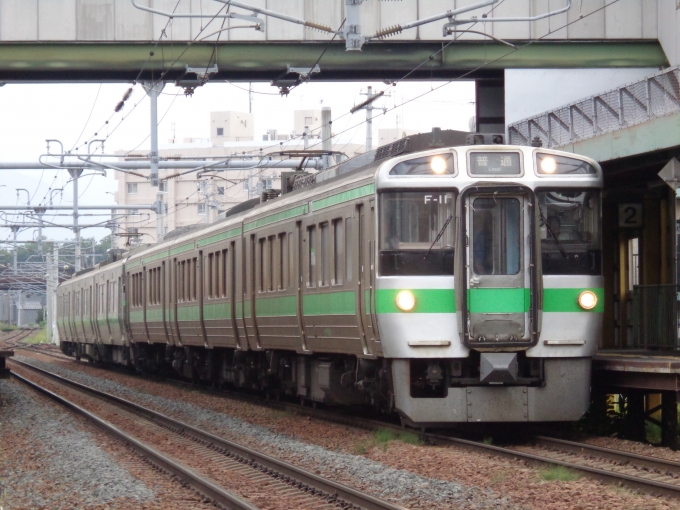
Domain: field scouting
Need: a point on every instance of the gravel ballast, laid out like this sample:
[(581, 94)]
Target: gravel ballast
[(396, 485), (48, 461)]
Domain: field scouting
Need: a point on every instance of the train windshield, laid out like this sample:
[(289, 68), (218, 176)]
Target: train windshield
[(416, 233), (570, 230)]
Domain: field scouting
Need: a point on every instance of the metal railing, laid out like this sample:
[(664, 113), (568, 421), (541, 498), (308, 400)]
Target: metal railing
[(655, 316), (626, 106)]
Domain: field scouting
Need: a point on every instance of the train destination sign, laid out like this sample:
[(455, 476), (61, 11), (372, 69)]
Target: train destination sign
[(494, 163)]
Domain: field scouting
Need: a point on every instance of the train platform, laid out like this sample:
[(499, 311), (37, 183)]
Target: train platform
[(650, 382), (4, 371)]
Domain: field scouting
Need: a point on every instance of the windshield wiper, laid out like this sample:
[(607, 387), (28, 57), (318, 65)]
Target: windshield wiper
[(441, 233), (552, 234)]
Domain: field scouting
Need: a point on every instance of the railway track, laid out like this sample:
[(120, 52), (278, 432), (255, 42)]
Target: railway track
[(12, 341), (205, 462), (644, 473)]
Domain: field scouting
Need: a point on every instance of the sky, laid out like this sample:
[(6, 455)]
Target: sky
[(77, 113)]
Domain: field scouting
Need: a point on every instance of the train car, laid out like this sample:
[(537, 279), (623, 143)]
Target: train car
[(449, 285)]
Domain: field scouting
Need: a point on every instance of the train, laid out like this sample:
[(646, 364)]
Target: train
[(444, 282)]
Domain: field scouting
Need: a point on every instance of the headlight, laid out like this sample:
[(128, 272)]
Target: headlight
[(587, 300), (548, 165), (405, 301), (438, 165)]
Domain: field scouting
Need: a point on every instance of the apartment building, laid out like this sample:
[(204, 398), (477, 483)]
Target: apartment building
[(189, 200)]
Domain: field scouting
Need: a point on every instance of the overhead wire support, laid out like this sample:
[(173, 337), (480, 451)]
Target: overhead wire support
[(260, 24)]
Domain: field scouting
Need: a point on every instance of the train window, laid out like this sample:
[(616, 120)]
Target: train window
[(311, 255), (349, 230), (223, 274), (185, 280), (282, 250), (338, 251), (261, 249), (293, 262), (438, 164), (416, 233), (570, 231), (209, 275), (219, 274), (272, 265), (194, 279), (494, 163), (179, 281), (496, 236), (325, 254)]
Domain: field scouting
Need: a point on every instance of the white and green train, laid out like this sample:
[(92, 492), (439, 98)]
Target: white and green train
[(459, 284)]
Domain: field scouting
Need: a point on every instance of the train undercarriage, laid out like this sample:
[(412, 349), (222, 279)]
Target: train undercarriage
[(424, 392)]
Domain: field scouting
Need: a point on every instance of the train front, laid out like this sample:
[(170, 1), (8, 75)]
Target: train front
[(489, 291)]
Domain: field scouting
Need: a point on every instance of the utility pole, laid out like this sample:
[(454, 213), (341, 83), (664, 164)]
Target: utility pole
[(53, 296), (153, 90), (15, 229), (250, 97), (48, 298), (40, 212), (368, 106), (75, 173), (326, 133), (369, 120)]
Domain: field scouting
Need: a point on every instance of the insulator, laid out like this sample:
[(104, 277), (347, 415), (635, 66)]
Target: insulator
[(386, 32), (316, 26), (119, 106), (127, 94)]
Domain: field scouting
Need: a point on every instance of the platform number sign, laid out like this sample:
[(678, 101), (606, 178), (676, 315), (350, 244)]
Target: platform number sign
[(630, 215)]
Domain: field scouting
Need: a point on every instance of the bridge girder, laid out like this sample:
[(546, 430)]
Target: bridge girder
[(265, 61)]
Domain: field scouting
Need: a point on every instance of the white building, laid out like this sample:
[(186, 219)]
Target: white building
[(190, 200)]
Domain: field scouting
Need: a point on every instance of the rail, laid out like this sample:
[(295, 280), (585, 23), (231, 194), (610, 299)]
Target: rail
[(655, 96), (305, 481), (655, 316)]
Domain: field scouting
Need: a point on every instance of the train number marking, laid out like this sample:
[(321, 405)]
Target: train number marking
[(630, 215)]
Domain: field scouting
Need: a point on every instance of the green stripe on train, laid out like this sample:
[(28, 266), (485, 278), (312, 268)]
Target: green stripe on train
[(566, 300), (284, 306), (216, 311), (219, 237), (154, 315), (427, 300), (495, 300), (182, 249), (188, 313), (345, 196), (273, 218), (330, 303)]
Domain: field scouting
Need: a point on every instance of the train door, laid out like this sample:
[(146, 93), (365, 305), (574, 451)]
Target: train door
[(96, 310), (249, 315), (230, 284), (297, 264), (240, 280), (174, 299), (200, 284), (364, 243), (499, 269), (163, 300)]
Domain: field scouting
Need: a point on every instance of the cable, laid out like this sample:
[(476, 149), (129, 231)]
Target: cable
[(88, 117), (159, 123)]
